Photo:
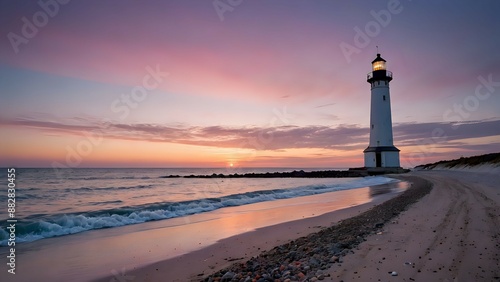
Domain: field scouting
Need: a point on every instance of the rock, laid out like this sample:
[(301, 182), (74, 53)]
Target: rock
[(292, 255), (314, 262), (379, 225), (228, 276), (255, 265), (394, 273), (334, 259)]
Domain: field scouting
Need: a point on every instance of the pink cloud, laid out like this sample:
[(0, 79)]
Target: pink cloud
[(343, 137)]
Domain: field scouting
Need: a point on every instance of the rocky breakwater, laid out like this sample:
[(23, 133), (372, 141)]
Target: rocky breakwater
[(295, 173)]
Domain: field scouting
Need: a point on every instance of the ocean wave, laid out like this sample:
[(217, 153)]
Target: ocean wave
[(108, 177), (90, 189), (105, 203), (64, 224)]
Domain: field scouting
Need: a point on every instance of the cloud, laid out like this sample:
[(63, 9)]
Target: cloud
[(416, 133), (325, 105), (343, 137)]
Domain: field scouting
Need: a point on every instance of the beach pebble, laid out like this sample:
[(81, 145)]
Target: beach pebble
[(394, 273), (334, 259), (301, 275), (314, 262), (228, 276)]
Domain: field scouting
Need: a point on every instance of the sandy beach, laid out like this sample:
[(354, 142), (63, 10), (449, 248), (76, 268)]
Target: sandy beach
[(451, 234)]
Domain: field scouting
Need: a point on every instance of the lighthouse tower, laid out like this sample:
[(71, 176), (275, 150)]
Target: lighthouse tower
[(381, 151)]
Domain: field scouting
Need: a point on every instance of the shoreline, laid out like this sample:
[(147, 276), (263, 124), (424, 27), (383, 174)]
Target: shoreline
[(450, 233), (307, 257), (195, 265), (115, 252)]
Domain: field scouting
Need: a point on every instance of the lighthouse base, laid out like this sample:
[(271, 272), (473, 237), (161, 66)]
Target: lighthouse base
[(382, 157)]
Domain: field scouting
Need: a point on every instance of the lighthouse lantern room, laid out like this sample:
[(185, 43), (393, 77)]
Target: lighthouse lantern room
[(381, 151)]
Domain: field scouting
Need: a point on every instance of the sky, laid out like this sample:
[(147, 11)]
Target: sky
[(240, 83)]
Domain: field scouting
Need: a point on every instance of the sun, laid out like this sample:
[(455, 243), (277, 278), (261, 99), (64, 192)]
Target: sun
[(231, 164)]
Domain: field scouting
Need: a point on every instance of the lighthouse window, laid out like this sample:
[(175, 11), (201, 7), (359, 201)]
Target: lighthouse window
[(380, 65), (384, 97)]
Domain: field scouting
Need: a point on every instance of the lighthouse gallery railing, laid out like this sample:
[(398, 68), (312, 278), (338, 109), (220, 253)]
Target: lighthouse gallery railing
[(387, 73)]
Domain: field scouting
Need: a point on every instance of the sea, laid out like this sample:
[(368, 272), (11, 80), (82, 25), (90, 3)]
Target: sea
[(52, 203)]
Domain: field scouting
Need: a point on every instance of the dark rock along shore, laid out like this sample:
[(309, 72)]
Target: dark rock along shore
[(306, 258), (359, 172)]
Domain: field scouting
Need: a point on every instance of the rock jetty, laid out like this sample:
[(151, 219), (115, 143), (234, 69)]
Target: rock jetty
[(359, 172)]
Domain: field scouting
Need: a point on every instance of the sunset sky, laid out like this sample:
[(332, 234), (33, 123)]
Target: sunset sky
[(249, 83)]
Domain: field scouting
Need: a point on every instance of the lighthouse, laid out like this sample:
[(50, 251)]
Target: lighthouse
[(381, 151)]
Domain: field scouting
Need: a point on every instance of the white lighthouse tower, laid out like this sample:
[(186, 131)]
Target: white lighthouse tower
[(381, 151)]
